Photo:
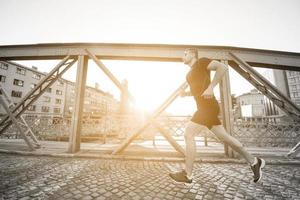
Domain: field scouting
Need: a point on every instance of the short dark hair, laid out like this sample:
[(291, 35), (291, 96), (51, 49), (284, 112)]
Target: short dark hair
[(193, 50)]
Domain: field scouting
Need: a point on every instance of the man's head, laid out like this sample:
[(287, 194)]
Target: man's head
[(190, 56)]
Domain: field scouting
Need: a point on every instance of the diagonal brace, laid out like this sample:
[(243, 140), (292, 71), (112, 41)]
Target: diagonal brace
[(168, 137), (155, 114), (293, 109), (109, 74)]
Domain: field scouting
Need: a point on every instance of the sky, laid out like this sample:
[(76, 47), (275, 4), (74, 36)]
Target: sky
[(260, 24)]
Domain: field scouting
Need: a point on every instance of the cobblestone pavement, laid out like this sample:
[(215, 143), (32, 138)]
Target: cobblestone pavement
[(29, 177)]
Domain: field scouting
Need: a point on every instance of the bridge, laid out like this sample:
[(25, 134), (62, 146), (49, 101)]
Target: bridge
[(242, 60)]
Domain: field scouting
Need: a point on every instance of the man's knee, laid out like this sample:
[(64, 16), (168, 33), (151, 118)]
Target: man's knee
[(226, 137), (192, 129), (232, 141)]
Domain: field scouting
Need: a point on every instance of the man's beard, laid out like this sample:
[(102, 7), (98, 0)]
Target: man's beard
[(186, 61)]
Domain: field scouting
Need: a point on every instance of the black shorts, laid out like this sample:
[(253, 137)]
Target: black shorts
[(207, 112)]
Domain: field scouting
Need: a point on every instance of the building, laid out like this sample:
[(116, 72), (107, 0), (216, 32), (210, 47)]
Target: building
[(293, 82), (96, 102), (58, 100), (288, 82), (18, 80), (255, 104)]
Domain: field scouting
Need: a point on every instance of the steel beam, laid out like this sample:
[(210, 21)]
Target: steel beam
[(156, 52), (74, 139), (169, 138), (294, 151), (155, 114), (226, 106), (109, 74), (15, 121), (264, 86)]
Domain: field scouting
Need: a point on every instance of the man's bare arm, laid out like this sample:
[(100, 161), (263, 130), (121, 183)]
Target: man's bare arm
[(220, 69)]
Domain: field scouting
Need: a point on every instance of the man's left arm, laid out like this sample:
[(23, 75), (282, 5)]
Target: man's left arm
[(220, 69)]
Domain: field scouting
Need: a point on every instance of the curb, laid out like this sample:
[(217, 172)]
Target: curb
[(141, 158)]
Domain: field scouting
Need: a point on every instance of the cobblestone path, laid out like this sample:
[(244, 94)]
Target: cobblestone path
[(30, 177)]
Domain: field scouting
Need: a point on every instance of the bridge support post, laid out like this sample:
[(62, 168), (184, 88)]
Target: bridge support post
[(74, 139), (226, 107)]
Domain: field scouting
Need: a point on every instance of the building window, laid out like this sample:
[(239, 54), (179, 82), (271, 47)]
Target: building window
[(31, 108), (17, 94), (2, 78), (36, 76), (47, 99), (4, 66), (32, 85), (49, 90), (58, 101), (58, 92), (292, 80), (20, 71), (56, 110), (45, 109), (60, 83), (18, 82)]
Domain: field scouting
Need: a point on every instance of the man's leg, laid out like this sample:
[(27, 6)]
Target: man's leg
[(191, 130), (256, 163), (222, 134)]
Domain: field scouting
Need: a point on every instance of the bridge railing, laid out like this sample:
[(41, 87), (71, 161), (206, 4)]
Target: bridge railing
[(260, 132), (273, 131)]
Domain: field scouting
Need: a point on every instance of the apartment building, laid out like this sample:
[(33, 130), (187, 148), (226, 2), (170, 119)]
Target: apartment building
[(58, 100), (96, 102), (18, 80)]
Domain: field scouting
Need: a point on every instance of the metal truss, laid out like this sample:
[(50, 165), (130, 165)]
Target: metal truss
[(8, 104), (243, 63), (164, 132), (265, 87), (37, 91), (294, 151), (151, 120)]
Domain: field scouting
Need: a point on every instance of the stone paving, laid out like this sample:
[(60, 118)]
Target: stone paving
[(40, 177)]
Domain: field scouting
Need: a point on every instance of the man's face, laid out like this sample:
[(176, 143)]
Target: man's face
[(187, 57)]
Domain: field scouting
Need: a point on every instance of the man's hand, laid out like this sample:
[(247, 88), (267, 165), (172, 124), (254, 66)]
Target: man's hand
[(208, 93)]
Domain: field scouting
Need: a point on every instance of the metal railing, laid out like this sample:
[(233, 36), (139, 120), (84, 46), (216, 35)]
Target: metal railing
[(260, 132)]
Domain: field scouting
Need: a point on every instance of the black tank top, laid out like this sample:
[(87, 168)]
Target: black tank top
[(198, 77)]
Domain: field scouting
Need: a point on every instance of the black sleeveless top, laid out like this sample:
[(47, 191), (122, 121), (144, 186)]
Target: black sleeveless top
[(198, 79)]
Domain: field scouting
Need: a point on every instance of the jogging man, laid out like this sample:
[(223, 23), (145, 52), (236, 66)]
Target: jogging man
[(206, 116)]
